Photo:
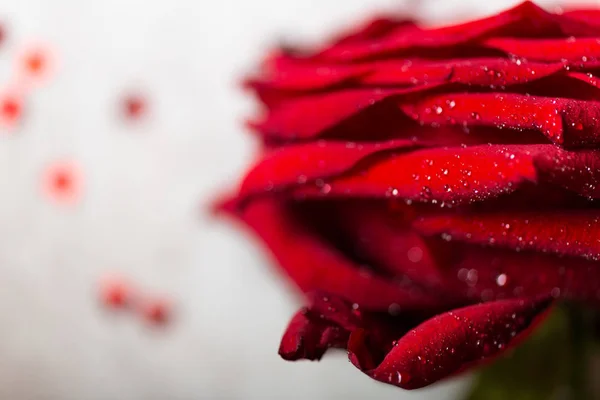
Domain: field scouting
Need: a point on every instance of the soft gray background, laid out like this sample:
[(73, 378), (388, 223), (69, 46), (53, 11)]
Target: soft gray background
[(146, 188)]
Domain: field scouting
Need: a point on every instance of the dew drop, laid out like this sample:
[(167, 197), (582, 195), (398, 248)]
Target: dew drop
[(447, 237), (472, 277), (394, 309), (415, 254), (392, 192), (501, 280)]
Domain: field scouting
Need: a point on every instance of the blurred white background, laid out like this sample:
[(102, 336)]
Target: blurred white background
[(146, 188)]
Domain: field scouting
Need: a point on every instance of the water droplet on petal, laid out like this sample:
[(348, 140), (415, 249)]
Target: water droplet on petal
[(394, 309), (415, 254), (501, 280)]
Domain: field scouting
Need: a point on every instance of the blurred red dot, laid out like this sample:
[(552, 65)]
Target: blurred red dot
[(134, 106), (36, 65), (35, 62), (62, 182), (156, 311), (115, 293), (2, 33), (11, 109)]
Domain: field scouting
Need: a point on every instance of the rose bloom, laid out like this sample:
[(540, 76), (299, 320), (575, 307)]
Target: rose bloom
[(432, 192)]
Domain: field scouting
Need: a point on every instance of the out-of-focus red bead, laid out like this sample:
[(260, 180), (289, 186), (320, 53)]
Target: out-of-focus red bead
[(156, 311), (35, 62), (36, 65), (134, 106), (62, 182), (11, 109), (2, 33), (115, 293)]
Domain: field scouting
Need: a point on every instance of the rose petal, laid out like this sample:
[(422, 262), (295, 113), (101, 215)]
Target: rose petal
[(388, 242), (587, 78), (589, 16), (549, 50), (300, 78), (316, 266), (377, 28), (474, 72), (563, 121), (451, 342), (328, 321), (560, 232), (485, 274), (525, 20), (304, 78), (350, 113), (304, 163), (307, 338), (333, 309), (451, 175), (311, 115)]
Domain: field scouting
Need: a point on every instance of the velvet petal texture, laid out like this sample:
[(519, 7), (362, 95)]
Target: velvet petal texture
[(431, 192), (450, 342)]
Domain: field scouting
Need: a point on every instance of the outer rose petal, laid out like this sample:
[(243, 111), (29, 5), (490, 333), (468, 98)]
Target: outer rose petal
[(328, 322), (316, 266), (549, 50), (451, 175), (475, 72), (376, 28), (308, 338), (563, 121), (300, 78), (451, 342), (587, 78), (525, 20), (575, 233), (389, 243), (485, 274), (308, 116), (307, 162), (589, 16)]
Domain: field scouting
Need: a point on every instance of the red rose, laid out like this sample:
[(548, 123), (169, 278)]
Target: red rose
[(431, 191)]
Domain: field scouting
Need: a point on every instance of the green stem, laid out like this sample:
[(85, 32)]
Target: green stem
[(579, 322)]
